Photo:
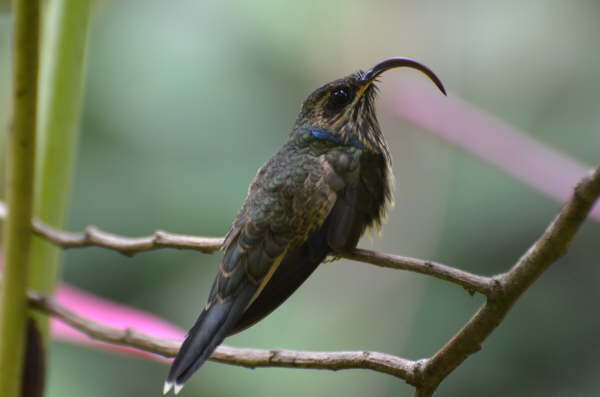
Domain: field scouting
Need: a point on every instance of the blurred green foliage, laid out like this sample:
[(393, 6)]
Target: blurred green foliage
[(186, 99)]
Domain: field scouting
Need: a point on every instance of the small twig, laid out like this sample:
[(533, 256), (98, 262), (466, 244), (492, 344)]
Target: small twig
[(93, 236), (471, 282), (250, 358)]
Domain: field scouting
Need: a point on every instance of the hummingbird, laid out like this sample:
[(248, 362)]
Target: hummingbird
[(328, 184)]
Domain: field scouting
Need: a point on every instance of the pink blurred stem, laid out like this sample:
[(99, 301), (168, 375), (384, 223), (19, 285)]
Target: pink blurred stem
[(110, 314), (489, 138)]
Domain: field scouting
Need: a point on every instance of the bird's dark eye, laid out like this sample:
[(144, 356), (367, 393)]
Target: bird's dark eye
[(340, 98)]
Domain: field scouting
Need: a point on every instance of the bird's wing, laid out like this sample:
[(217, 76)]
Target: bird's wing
[(284, 205)]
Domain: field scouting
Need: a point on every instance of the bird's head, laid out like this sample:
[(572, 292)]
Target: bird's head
[(344, 110)]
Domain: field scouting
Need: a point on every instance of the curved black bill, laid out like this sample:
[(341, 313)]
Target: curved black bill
[(398, 63)]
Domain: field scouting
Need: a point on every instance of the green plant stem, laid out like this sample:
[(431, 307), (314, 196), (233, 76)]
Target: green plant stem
[(66, 26), (19, 189)]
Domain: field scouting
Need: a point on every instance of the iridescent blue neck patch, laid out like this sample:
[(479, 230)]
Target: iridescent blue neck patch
[(328, 136)]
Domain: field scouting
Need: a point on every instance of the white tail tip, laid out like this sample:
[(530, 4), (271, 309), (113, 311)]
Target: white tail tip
[(167, 387), (178, 388)]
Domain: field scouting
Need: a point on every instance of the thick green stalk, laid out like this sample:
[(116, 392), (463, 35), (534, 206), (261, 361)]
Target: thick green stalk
[(19, 190), (66, 26)]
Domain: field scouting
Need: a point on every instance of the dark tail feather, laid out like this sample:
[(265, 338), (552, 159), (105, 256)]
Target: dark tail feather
[(207, 333)]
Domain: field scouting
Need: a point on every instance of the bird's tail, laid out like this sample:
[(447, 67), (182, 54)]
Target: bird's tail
[(207, 333)]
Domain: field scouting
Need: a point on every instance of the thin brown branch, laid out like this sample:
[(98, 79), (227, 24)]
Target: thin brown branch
[(93, 236), (508, 287), (471, 282), (250, 358)]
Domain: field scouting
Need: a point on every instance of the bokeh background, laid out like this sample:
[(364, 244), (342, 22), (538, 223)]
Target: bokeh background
[(186, 99)]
